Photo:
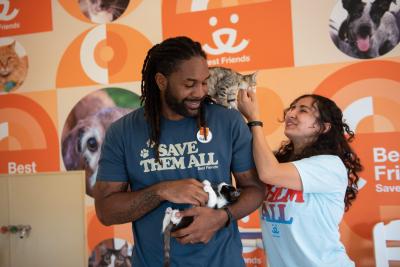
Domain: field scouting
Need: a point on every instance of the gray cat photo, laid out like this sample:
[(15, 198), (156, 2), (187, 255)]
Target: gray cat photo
[(103, 11)]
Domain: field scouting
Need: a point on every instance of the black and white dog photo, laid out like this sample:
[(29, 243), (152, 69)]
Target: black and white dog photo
[(366, 28)]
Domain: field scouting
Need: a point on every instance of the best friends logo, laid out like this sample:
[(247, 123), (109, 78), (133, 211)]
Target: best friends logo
[(230, 33), (7, 14), (22, 17)]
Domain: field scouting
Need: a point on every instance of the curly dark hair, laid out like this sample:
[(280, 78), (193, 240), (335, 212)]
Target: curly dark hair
[(165, 58), (333, 142)]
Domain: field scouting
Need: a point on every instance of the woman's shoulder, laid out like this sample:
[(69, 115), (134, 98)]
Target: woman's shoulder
[(331, 163), (324, 159)]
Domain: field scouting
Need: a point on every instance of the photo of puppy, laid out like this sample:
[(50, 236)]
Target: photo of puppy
[(366, 28), (84, 132)]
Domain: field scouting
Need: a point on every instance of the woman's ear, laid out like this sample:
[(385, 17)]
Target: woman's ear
[(327, 127), (161, 81)]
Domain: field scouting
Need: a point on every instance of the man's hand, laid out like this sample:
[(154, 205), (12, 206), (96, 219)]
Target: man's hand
[(187, 191), (206, 222)]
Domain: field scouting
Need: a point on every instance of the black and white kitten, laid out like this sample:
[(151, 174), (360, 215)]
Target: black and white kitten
[(224, 84), (103, 11), (218, 197)]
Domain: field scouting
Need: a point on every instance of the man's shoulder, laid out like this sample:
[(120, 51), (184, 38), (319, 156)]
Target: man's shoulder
[(214, 108), (135, 116)]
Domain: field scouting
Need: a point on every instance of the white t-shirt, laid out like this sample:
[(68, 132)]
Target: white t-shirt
[(302, 228)]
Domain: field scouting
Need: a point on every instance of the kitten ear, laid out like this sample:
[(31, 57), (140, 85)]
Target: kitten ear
[(12, 45), (235, 194), (161, 81), (124, 249), (103, 248)]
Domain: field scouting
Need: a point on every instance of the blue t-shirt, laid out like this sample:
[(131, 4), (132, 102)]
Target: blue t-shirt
[(128, 156), (301, 228)]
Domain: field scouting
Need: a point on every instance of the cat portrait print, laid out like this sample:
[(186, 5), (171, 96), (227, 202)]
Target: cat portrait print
[(224, 84), (13, 65), (111, 253), (103, 11)]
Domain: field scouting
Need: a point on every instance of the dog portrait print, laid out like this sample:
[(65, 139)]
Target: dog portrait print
[(365, 28), (85, 128)]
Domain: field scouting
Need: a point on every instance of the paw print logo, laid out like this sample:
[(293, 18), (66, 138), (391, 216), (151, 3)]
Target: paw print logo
[(150, 145), (144, 153)]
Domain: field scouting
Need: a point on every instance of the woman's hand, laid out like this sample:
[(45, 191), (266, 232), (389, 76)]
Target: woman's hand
[(248, 105)]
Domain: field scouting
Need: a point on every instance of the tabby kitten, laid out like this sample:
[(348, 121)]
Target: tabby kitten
[(103, 11), (13, 68), (224, 84), (218, 197)]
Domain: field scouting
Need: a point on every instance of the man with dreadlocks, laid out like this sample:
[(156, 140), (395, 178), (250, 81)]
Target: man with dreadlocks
[(164, 150)]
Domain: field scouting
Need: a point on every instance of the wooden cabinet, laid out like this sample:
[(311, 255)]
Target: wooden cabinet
[(53, 205)]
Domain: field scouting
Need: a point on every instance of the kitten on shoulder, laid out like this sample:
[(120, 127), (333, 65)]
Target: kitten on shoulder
[(224, 84)]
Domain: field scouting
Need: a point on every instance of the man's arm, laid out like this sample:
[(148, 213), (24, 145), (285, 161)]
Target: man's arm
[(115, 205), (251, 195), (208, 221)]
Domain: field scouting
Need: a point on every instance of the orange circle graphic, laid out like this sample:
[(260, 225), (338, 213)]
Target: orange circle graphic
[(29, 137), (270, 110), (112, 60), (377, 131)]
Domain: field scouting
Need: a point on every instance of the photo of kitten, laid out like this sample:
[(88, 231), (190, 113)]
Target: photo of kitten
[(103, 11), (224, 84), (13, 65), (111, 253)]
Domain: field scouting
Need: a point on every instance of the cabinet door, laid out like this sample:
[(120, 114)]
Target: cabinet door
[(4, 219), (53, 205)]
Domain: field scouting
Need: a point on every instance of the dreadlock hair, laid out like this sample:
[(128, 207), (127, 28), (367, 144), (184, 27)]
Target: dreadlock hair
[(165, 58), (333, 142)]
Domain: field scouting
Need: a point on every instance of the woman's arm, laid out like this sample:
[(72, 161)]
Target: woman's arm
[(270, 171)]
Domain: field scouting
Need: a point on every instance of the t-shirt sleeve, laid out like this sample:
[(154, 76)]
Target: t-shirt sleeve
[(112, 160), (322, 174), (242, 154)]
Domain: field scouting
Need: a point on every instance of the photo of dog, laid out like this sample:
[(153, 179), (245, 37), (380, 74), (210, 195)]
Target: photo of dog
[(84, 132), (365, 28)]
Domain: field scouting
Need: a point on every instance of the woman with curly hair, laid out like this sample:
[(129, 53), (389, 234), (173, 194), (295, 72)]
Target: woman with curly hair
[(311, 181)]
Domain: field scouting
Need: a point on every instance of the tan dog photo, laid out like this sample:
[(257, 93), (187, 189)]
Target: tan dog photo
[(84, 132)]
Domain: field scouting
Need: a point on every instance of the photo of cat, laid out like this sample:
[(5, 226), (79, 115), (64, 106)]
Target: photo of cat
[(85, 128), (103, 11), (13, 65), (224, 84), (111, 253)]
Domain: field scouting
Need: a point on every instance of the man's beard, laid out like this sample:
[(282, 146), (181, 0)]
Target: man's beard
[(179, 106)]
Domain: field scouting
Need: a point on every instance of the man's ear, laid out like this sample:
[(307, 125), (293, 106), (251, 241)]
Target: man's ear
[(161, 81), (327, 127)]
